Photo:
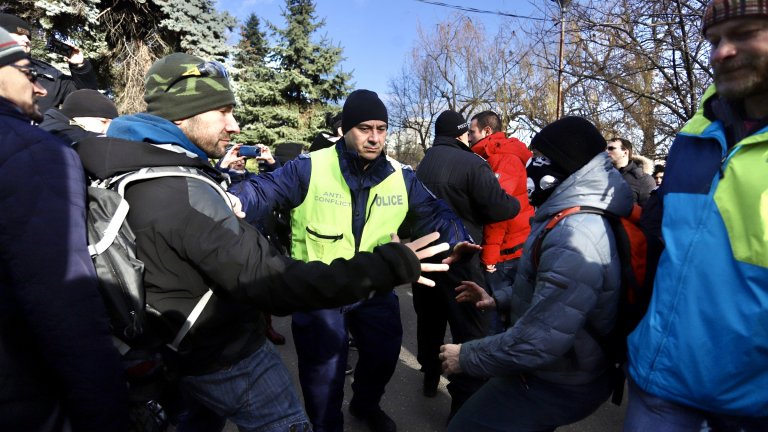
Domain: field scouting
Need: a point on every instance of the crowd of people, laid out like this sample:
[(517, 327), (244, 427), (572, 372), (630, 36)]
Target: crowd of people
[(317, 236)]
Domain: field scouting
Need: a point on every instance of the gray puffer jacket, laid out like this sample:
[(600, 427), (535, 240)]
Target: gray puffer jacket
[(576, 285)]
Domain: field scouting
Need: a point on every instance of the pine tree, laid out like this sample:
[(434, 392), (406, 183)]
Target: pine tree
[(124, 37), (255, 86), (310, 79)]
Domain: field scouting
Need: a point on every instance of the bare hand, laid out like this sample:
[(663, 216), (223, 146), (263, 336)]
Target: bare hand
[(231, 157), (490, 268), (421, 248), (462, 249), (77, 57), (449, 355), (472, 292), (237, 206), (266, 154)]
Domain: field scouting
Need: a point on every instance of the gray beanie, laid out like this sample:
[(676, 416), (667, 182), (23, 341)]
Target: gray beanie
[(179, 86), (10, 51)]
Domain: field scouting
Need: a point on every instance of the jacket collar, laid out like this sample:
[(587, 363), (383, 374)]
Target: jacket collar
[(596, 184), (152, 129), (498, 143), (353, 170), (8, 108), (450, 142)]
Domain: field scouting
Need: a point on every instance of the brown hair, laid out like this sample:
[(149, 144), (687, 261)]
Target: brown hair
[(625, 145), (488, 119)]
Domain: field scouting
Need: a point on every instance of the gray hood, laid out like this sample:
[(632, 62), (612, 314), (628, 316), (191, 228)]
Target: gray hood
[(596, 184)]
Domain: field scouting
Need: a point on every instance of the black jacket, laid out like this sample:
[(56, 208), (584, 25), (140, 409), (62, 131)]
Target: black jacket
[(190, 240), (60, 125), (60, 85), (639, 181), (466, 182)]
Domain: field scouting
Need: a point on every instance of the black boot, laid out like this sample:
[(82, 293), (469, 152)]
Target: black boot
[(376, 420)]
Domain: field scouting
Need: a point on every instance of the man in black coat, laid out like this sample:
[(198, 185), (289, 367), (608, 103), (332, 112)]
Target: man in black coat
[(466, 182), (641, 183), (56, 83)]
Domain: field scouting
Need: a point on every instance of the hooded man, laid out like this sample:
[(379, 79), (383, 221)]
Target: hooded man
[(191, 242), (502, 241), (548, 368)]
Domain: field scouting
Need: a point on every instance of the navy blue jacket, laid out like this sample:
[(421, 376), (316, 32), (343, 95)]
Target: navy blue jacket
[(58, 124), (55, 347), (286, 188)]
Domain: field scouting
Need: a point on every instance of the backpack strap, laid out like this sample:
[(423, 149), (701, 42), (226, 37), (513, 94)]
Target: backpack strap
[(119, 184), (190, 321), (554, 220)]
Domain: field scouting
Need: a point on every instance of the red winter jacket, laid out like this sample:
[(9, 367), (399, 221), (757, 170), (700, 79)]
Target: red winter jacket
[(504, 240)]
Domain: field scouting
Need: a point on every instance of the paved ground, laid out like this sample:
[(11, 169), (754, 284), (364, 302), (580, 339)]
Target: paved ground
[(404, 402)]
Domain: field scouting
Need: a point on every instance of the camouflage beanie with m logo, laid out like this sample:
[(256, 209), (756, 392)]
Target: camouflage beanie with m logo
[(179, 86)]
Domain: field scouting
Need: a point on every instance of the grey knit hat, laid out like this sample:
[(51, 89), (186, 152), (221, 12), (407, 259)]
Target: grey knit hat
[(10, 51), (179, 86)]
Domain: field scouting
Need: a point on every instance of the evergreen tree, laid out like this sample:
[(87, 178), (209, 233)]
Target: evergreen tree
[(255, 86), (309, 78), (124, 37)]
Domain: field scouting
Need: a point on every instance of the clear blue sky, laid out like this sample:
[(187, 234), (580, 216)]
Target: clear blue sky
[(377, 35)]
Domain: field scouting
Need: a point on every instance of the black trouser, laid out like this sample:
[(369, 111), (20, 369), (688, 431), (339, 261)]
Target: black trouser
[(435, 307)]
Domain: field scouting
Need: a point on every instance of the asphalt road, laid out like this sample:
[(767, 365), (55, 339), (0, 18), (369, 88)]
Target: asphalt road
[(403, 400)]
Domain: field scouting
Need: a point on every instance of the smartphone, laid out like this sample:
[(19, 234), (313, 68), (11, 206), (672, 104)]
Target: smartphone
[(57, 46), (249, 151)]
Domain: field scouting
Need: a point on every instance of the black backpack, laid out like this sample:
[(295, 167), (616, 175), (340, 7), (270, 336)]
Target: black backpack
[(639, 253), (112, 245)]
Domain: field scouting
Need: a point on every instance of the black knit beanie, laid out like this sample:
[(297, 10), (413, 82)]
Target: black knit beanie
[(14, 24), (569, 143), (88, 103), (10, 51), (360, 106), (451, 124), (179, 86)]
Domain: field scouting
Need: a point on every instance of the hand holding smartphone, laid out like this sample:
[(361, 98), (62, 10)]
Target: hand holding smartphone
[(59, 47)]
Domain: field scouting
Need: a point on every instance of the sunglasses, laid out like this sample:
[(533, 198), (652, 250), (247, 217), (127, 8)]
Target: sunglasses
[(31, 73), (612, 148), (211, 69)]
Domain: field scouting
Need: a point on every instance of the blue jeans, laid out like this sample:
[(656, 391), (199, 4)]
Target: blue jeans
[(502, 278), (646, 412), (514, 404), (256, 394), (321, 345)]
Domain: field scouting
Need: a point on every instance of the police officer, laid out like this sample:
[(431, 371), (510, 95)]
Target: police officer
[(346, 198)]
